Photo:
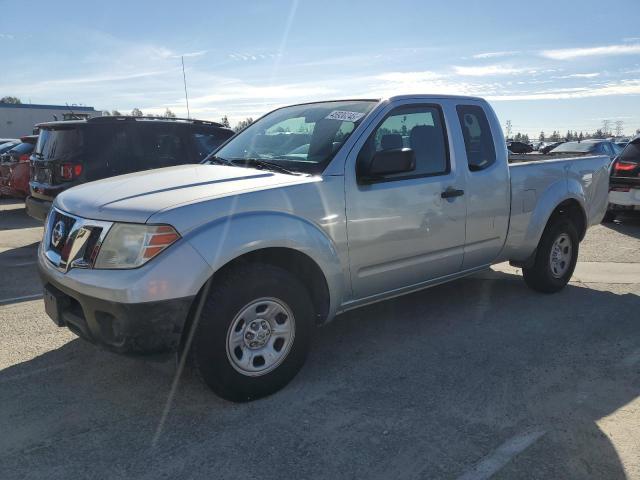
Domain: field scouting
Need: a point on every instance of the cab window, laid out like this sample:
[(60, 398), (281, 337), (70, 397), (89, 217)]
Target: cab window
[(419, 128), (478, 140)]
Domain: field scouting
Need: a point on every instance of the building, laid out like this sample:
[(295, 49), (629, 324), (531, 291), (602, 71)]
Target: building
[(19, 119)]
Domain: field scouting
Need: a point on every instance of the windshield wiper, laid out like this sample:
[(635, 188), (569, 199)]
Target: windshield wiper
[(218, 160), (259, 163)]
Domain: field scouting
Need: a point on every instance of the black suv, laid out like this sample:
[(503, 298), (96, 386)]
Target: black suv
[(77, 151)]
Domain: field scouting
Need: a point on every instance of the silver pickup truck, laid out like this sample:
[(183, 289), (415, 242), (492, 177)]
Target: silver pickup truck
[(313, 210)]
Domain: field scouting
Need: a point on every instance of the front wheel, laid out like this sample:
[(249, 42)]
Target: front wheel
[(556, 258), (254, 332)]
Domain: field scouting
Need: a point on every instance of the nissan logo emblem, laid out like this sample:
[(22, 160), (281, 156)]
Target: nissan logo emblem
[(58, 233)]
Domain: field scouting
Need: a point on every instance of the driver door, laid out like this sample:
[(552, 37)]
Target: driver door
[(402, 230)]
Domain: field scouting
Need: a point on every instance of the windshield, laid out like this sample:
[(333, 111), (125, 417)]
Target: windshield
[(579, 147), (300, 138)]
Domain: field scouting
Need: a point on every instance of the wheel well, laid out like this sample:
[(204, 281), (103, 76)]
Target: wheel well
[(295, 262), (571, 210)]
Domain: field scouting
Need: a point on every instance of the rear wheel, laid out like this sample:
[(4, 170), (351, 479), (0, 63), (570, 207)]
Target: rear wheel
[(254, 332), (556, 258)]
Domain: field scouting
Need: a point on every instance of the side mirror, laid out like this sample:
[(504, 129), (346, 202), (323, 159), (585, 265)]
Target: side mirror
[(387, 162)]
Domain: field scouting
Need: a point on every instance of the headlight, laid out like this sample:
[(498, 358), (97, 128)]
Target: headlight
[(130, 245)]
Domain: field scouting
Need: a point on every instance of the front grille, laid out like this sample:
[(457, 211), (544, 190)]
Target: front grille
[(73, 242), (67, 225)]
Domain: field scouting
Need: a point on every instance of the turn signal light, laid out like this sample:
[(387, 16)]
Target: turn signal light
[(159, 240)]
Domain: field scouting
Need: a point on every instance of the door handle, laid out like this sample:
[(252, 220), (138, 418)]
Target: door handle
[(452, 192)]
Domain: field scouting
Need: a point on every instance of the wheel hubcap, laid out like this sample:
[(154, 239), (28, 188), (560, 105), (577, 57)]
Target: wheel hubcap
[(560, 257), (260, 336)]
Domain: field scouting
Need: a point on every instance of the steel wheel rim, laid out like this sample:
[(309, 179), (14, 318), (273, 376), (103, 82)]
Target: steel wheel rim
[(260, 336), (560, 257)]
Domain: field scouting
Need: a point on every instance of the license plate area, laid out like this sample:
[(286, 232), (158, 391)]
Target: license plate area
[(54, 302), (43, 175)]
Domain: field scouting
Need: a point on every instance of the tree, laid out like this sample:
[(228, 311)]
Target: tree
[(225, 122), (242, 124), (508, 129), (555, 136), (541, 137), (169, 114), (136, 112), (580, 137), (9, 99), (599, 134), (116, 113), (106, 113)]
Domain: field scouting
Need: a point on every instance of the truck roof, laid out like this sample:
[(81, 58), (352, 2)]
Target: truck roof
[(126, 118)]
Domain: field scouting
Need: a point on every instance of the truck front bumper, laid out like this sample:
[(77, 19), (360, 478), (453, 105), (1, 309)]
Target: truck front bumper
[(143, 328), (141, 310)]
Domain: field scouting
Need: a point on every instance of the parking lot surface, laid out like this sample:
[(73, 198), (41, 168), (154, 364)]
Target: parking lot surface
[(479, 378)]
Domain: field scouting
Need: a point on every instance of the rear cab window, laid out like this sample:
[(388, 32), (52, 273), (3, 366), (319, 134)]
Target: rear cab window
[(478, 139)]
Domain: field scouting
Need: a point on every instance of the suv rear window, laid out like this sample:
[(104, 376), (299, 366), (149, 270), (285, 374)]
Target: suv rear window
[(59, 143), (205, 143)]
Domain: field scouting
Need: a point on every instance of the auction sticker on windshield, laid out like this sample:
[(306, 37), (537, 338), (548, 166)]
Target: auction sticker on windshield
[(344, 115)]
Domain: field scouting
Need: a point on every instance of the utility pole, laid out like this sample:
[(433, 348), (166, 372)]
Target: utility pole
[(619, 128), (184, 79)]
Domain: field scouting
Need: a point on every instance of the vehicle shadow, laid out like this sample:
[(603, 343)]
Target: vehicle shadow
[(423, 386), (19, 279), (627, 224), (15, 217)]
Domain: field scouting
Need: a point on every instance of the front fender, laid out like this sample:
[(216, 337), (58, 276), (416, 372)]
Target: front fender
[(230, 237)]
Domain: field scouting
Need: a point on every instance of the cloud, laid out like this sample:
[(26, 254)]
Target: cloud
[(570, 53), (199, 53), (624, 87), (496, 54), (581, 75), (6, 36), (489, 70)]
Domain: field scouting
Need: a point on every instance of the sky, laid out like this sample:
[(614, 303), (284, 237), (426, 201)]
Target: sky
[(545, 65)]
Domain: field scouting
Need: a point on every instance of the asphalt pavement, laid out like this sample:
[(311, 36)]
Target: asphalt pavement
[(478, 378)]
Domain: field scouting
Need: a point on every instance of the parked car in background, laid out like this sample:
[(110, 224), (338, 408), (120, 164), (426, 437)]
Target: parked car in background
[(14, 168), (546, 147), (69, 153), (624, 184), (587, 147), (6, 145), (519, 147), (266, 244)]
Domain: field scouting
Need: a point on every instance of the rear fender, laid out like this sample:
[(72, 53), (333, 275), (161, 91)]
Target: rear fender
[(546, 203)]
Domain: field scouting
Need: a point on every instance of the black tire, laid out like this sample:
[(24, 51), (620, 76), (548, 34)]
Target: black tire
[(609, 217), (540, 276), (227, 298)]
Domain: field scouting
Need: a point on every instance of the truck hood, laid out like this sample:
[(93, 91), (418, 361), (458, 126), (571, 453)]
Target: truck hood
[(137, 196)]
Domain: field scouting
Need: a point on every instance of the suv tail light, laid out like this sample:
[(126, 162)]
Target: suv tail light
[(624, 166), (69, 171), (23, 158)]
